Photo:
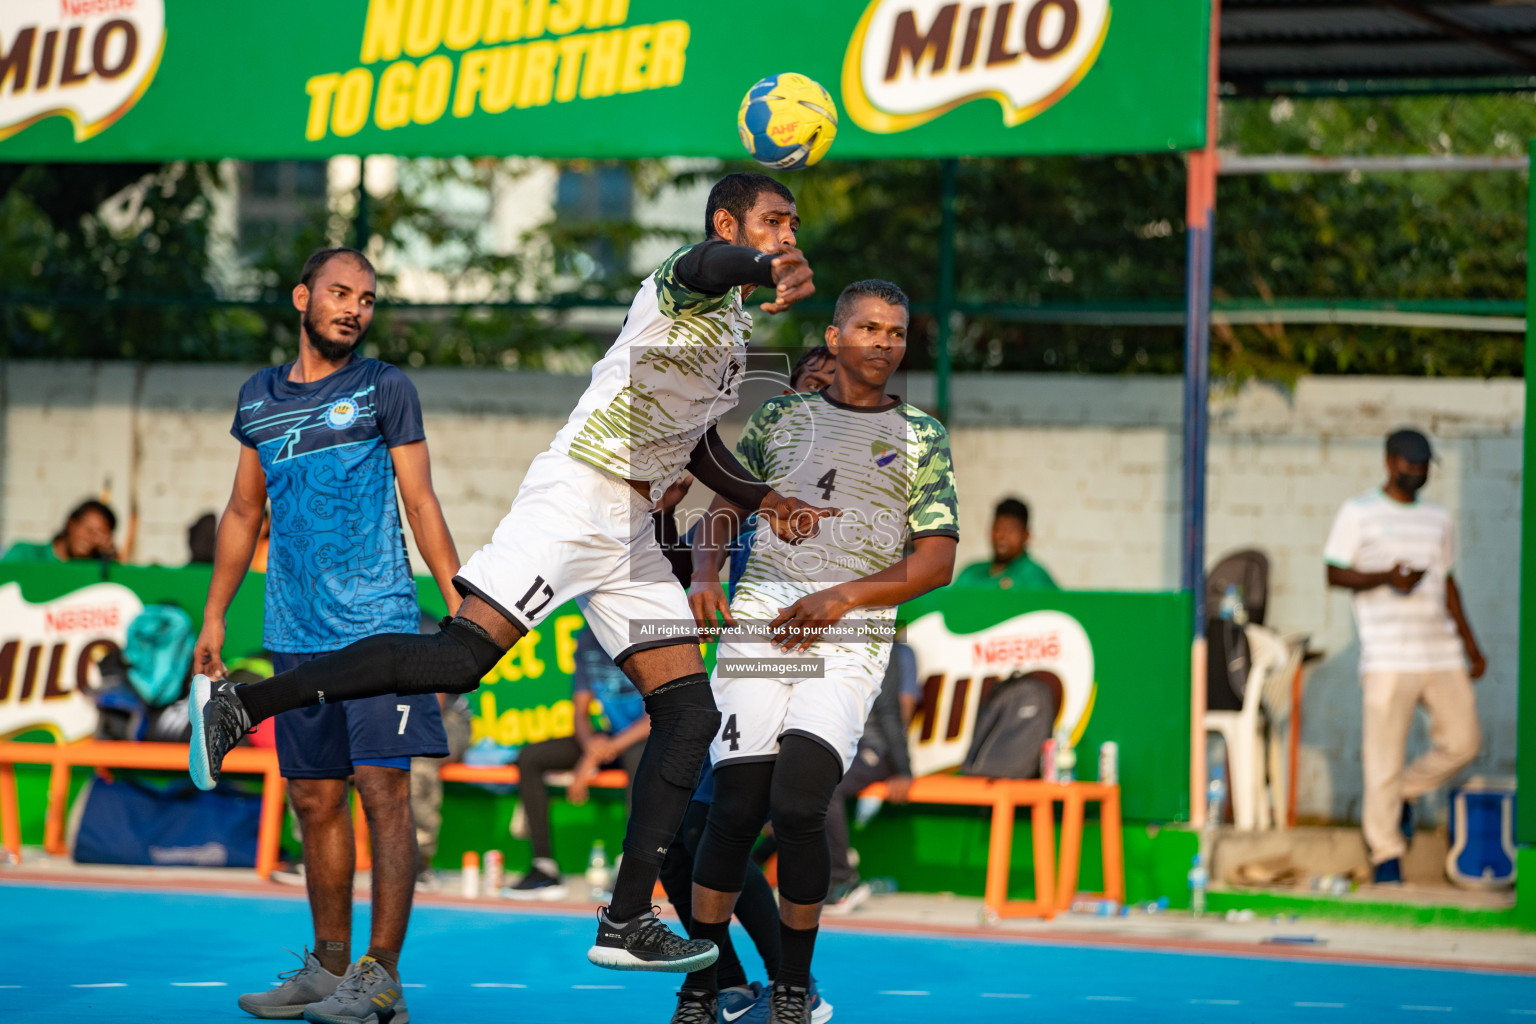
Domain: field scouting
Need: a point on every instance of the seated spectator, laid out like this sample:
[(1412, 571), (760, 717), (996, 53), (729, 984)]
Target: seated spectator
[(619, 742), (1010, 567), (87, 533), (202, 538), (882, 757)]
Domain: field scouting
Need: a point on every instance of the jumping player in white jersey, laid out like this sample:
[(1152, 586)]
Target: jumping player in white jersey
[(580, 528), (788, 736)]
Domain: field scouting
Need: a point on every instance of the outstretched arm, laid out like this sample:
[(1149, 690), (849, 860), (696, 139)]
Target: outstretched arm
[(238, 530), (930, 565), (413, 472)]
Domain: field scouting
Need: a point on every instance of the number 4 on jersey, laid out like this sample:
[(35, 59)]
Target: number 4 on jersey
[(731, 734), (827, 483)]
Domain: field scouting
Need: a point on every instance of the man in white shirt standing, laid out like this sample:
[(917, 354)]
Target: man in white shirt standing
[(1396, 552)]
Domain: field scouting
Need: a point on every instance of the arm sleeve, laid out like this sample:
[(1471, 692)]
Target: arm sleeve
[(932, 510), (397, 409), (701, 278), (713, 465), (1343, 539)]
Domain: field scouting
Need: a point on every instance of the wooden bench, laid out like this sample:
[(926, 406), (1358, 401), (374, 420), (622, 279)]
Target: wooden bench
[(106, 754)]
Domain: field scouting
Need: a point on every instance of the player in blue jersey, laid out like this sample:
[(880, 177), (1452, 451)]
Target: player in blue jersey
[(328, 438)]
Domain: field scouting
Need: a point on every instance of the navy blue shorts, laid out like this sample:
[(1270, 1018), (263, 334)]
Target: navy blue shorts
[(325, 741)]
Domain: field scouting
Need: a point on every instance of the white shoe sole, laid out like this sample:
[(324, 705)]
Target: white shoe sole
[(821, 1012), (202, 777), (623, 960), (547, 894)]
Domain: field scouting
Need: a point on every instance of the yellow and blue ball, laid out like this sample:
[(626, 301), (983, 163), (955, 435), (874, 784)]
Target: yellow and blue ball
[(787, 121)]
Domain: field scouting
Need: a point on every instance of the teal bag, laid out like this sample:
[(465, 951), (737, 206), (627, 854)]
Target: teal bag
[(159, 653)]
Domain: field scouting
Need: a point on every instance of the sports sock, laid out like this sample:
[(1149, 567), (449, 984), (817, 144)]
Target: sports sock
[(706, 979), (271, 697), (728, 969), (799, 945), (683, 722), (333, 956), (388, 958), (758, 913)]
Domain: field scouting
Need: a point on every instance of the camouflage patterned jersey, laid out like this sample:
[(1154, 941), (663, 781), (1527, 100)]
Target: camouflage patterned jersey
[(673, 371), (888, 469)]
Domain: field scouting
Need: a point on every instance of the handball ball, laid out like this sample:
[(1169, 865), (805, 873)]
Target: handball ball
[(787, 122)]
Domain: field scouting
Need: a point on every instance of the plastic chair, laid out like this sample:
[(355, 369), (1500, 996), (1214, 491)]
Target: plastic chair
[(1266, 698)]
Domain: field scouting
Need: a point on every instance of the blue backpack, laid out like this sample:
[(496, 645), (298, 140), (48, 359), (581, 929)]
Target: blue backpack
[(159, 653)]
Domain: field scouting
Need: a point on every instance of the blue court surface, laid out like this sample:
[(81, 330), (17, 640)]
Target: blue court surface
[(123, 956)]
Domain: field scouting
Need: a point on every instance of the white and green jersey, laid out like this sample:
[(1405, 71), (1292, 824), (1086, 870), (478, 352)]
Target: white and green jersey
[(887, 467), (674, 370)]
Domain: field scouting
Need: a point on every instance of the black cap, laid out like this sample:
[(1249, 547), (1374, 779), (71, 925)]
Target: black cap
[(1410, 445)]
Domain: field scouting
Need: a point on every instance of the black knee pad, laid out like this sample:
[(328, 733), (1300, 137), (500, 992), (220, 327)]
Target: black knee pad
[(735, 818), (804, 780), (453, 660), (683, 723)]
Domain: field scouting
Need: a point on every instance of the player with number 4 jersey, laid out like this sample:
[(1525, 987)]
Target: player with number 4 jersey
[(811, 626)]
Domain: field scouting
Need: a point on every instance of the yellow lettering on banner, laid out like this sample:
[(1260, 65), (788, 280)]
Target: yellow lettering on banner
[(537, 11), (562, 719), (538, 74), (352, 100), (483, 724), (395, 85), (509, 729), (668, 54), (320, 88), (433, 80), (599, 13), (536, 724), (466, 20), (566, 16), (618, 10), (424, 27), (506, 71), (566, 628), (637, 49), (571, 50), (503, 21), (600, 77), (381, 32), (471, 80), (532, 666)]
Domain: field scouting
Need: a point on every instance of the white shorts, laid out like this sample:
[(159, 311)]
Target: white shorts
[(756, 712), (575, 532)]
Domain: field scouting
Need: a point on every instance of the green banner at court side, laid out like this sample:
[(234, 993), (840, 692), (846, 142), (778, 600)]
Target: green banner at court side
[(294, 79)]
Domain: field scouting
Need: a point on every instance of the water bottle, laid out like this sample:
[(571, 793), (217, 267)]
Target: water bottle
[(865, 808), (597, 871), (1066, 758), (1096, 907), (1198, 878), (1216, 797)]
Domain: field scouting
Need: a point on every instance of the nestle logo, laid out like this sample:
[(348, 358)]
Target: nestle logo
[(79, 620)]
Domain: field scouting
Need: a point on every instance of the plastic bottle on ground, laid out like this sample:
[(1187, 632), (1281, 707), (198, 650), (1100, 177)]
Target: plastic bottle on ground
[(598, 875), (1198, 879)]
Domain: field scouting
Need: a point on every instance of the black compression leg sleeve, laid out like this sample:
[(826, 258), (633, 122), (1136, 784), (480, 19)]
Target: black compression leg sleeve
[(735, 819), (683, 722), (450, 661), (807, 774)]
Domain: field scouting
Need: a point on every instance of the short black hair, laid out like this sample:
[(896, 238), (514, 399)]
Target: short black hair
[(320, 257), (85, 507), (1013, 507), (804, 363), (736, 194), (874, 288)]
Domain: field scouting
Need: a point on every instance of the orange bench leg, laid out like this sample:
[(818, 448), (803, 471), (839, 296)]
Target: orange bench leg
[(1114, 848), (58, 808), (999, 857), (10, 812), (1043, 825), (360, 834), (1071, 848), (269, 838)]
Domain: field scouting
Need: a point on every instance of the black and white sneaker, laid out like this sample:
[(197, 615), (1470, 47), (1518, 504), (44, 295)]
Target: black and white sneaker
[(695, 1006), (219, 720), (789, 1004), (643, 943)]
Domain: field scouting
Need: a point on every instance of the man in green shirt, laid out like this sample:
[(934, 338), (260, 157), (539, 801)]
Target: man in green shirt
[(87, 533), (1011, 567)]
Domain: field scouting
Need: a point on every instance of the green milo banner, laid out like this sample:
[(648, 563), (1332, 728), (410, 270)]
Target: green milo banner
[(294, 79), (1118, 660)]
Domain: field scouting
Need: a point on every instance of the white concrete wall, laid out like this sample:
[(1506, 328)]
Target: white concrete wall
[(1096, 457)]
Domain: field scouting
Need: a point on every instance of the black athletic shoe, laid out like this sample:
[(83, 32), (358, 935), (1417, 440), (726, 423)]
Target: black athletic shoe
[(643, 943), (695, 1006), (789, 1004), (218, 722)]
